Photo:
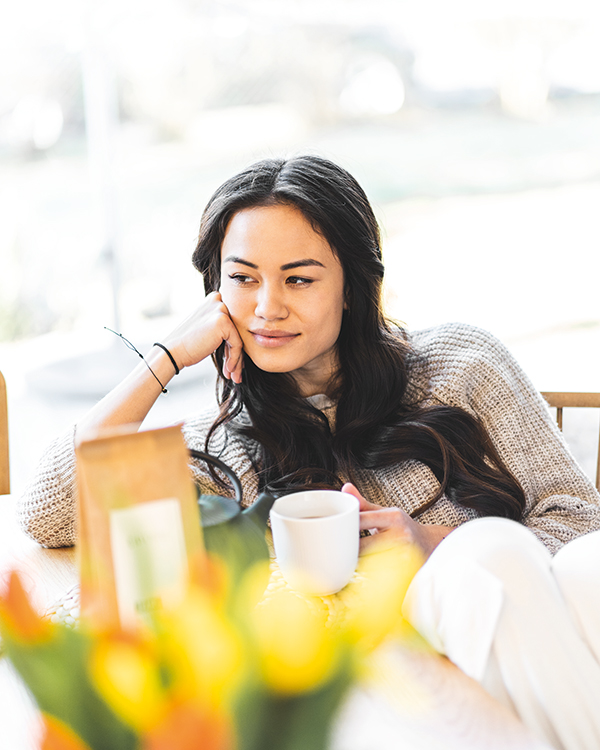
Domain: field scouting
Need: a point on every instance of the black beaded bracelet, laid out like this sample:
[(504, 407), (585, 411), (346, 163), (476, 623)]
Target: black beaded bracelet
[(169, 355)]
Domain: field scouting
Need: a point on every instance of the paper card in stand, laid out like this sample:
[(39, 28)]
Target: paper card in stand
[(139, 525)]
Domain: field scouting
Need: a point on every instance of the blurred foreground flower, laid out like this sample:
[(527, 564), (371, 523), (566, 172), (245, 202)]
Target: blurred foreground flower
[(230, 668)]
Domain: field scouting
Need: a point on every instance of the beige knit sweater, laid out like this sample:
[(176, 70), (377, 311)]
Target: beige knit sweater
[(453, 364)]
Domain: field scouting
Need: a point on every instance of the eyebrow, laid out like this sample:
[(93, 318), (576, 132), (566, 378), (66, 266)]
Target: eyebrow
[(285, 267)]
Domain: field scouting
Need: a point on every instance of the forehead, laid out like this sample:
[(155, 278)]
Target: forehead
[(277, 233)]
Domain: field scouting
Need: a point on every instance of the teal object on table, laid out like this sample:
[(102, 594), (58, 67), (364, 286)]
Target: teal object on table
[(235, 535)]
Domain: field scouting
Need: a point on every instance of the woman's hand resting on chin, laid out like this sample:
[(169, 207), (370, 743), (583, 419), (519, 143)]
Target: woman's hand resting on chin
[(394, 526), (202, 332), (194, 339)]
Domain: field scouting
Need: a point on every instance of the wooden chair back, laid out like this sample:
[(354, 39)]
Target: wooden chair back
[(564, 400), (4, 466)]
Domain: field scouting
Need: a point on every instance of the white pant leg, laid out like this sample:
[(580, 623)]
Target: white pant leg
[(487, 598), (576, 568)]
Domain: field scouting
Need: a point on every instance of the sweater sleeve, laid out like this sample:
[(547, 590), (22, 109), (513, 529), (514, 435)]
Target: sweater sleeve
[(47, 510), (561, 501)]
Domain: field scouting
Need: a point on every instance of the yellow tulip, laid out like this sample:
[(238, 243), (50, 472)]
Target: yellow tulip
[(296, 650), (126, 673), (374, 600), (203, 648)]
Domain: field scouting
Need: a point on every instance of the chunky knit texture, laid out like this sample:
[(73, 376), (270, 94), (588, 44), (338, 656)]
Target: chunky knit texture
[(453, 364)]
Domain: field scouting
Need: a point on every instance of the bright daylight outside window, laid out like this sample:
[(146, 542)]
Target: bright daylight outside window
[(472, 126)]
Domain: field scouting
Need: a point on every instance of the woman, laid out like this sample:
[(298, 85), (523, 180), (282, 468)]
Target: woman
[(439, 433)]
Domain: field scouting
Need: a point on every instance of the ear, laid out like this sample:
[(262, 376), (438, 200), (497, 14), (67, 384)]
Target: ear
[(346, 298)]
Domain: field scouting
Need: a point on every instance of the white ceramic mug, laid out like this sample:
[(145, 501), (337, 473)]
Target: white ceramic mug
[(316, 539)]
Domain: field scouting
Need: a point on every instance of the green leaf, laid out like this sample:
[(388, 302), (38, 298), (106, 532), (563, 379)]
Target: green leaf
[(56, 673), (295, 722)]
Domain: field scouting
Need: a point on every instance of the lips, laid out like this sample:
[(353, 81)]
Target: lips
[(272, 338)]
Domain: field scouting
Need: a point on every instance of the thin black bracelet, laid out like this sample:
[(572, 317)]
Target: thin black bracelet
[(129, 345), (169, 355)]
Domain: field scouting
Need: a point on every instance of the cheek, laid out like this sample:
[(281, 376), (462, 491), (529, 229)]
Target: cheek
[(326, 320), (337, 303)]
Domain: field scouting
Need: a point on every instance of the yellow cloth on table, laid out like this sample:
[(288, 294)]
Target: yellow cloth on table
[(330, 608)]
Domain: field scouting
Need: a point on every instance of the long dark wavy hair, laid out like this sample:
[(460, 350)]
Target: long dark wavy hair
[(290, 440)]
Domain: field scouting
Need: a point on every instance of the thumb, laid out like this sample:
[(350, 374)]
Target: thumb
[(350, 489)]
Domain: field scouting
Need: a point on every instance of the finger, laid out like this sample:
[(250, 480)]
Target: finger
[(233, 359), (235, 356), (375, 519), (226, 373), (350, 489), (229, 364), (233, 353), (236, 372)]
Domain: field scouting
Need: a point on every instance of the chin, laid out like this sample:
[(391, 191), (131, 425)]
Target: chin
[(273, 367), (272, 364)]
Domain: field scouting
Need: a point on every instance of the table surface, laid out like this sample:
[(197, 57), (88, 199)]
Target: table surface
[(420, 700)]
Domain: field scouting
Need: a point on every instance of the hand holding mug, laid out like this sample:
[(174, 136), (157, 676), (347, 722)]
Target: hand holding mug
[(392, 526)]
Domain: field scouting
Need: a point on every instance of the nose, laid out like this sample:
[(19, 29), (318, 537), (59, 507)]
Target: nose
[(270, 303)]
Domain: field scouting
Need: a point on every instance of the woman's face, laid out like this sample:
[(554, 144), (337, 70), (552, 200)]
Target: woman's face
[(284, 289)]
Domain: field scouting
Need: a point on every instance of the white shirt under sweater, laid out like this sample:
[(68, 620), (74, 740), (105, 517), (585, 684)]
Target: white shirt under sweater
[(452, 364)]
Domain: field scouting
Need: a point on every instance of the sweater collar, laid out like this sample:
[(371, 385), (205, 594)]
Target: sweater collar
[(320, 401)]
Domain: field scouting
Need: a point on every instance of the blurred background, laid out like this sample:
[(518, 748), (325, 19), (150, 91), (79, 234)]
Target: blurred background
[(473, 126)]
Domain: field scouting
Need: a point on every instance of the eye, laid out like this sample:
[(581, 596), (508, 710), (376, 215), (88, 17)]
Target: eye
[(298, 281), (240, 278)]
